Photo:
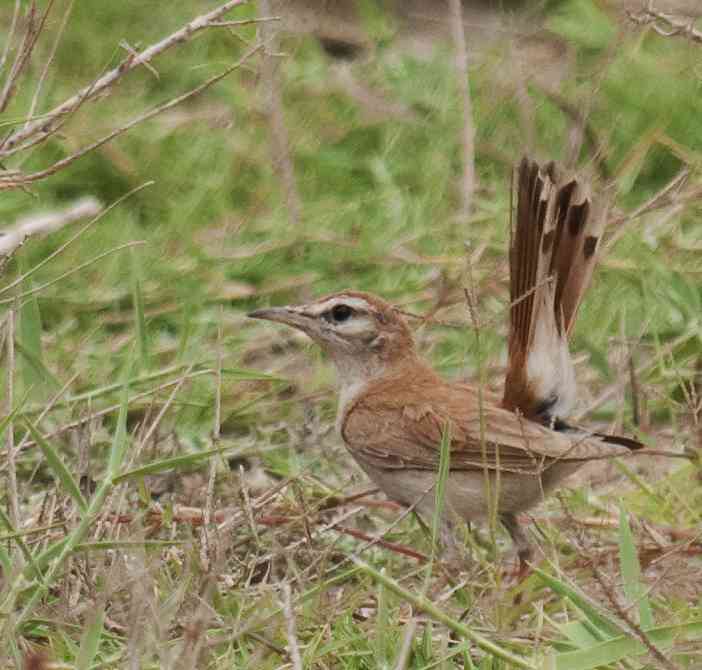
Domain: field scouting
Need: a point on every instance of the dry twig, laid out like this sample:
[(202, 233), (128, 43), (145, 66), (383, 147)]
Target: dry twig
[(293, 646), (14, 179), (609, 591), (43, 127), (35, 26), (667, 25), (12, 492), (46, 222)]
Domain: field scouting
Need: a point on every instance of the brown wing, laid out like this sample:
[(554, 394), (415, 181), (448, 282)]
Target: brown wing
[(405, 430)]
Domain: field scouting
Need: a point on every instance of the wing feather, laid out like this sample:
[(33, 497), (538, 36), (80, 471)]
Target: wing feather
[(406, 429)]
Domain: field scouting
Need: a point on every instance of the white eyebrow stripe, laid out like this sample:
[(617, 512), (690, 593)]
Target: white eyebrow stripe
[(354, 303)]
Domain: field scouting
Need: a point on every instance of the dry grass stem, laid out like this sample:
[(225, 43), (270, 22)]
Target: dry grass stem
[(166, 406), (667, 196), (44, 412), (57, 252), (403, 658), (12, 490), (293, 646), (280, 141), (667, 25), (42, 223), (91, 416), (188, 502), (49, 61), (35, 25), (16, 179), (10, 35), (46, 124), (468, 131), (614, 389)]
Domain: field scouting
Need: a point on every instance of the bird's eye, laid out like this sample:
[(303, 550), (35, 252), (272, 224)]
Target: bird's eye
[(341, 313)]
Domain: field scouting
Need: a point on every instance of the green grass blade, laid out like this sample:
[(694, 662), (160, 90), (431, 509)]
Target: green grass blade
[(623, 647), (595, 615), (240, 374), (421, 603), (58, 468), (173, 463), (382, 624), (35, 371), (65, 547), (29, 336), (119, 442), (440, 487), (90, 640), (128, 544), (251, 375), (634, 590), (579, 633), (5, 561), (19, 541), (11, 415), (139, 318), (43, 560)]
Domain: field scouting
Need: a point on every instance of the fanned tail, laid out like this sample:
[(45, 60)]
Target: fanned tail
[(554, 241)]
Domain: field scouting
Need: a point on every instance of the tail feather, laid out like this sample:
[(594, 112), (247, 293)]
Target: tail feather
[(553, 248), (627, 442)]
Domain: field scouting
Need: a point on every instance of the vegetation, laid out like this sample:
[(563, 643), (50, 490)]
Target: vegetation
[(181, 499)]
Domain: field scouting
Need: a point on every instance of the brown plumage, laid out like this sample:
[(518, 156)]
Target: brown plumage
[(552, 255), (394, 409)]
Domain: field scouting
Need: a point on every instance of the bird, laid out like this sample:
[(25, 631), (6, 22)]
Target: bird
[(507, 451)]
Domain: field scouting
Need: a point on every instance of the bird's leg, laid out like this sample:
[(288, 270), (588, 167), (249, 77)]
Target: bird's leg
[(447, 538), (451, 550), (525, 552)]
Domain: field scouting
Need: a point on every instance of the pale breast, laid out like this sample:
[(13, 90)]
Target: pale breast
[(348, 393)]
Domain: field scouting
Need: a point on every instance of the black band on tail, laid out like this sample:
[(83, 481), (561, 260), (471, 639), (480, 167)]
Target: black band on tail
[(627, 442), (554, 423)]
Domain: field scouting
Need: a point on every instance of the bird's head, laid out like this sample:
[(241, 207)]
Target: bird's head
[(364, 335)]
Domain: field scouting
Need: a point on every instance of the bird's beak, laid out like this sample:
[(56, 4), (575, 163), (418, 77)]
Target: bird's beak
[(290, 316)]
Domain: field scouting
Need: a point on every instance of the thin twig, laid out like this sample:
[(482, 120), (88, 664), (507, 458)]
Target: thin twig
[(243, 22), (10, 34), (67, 243), (49, 61), (293, 646), (406, 648), (46, 222), (34, 30), (45, 410), (664, 197), (14, 180), (667, 25), (392, 546), (609, 592), (114, 408), (159, 417), (12, 492), (608, 589), (613, 389), (72, 271), (45, 125)]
